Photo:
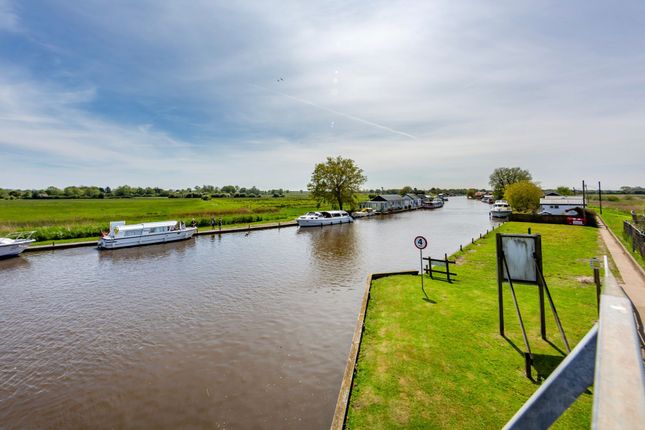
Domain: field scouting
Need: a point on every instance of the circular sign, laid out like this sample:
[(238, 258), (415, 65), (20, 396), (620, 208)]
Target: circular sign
[(420, 242)]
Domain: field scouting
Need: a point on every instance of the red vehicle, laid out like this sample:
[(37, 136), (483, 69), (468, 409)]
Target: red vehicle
[(575, 220)]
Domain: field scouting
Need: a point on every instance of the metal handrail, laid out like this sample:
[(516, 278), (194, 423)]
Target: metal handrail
[(619, 380), (609, 358)]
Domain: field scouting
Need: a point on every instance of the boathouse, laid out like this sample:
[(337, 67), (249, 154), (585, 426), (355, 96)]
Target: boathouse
[(414, 201), (559, 205), (386, 203)]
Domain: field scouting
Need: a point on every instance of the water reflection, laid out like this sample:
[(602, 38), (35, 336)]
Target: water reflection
[(333, 244), (148, 252), (18, 262)]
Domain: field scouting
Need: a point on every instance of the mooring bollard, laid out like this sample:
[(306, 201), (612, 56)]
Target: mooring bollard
[(529, 230), (596, 279)]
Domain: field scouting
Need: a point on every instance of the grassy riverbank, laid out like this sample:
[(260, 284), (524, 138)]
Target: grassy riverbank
[(80, 218), (442, 364), (615, 212)]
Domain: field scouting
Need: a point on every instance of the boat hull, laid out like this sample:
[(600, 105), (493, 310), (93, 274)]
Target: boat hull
[(13, 249), (323, 221), (150, 239), (500, 214)]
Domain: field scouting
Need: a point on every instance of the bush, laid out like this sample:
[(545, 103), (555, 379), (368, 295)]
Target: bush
[(612, 199), (523, 196), (206, 197)]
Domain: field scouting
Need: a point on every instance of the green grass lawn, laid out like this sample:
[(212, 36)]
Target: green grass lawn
[(71, 219), (443, 364), (614, 219)]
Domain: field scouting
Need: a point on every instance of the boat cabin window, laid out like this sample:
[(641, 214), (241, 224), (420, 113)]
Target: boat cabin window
[(132, 233), (336, 215)]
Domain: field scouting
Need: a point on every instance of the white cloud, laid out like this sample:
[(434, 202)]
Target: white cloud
[(477, 86), (8, 18)]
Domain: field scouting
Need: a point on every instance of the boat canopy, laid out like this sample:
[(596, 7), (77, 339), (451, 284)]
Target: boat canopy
[(147, 225)]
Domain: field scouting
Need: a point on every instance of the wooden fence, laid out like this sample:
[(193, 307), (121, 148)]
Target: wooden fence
[(637, 236)]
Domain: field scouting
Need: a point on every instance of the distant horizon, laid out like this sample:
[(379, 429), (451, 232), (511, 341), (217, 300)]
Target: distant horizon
[(430, 93), (593, 187)]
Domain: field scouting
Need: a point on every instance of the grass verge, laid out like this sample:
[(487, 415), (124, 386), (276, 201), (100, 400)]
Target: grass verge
[(59, 220), (614, 219), (442, 364)]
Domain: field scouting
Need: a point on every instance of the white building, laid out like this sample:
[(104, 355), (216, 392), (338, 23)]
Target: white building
[(559, 205)]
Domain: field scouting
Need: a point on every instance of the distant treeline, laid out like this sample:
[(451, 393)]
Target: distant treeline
[(411, 190), (204, 192), (125, 191)]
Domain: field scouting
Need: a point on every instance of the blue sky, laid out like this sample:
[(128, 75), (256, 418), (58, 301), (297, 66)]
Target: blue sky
[(177, 94)]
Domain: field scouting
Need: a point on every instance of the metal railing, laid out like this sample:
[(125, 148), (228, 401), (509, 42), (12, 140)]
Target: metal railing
[(609, 358)]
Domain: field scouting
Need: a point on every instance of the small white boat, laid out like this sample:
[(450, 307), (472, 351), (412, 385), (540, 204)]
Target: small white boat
[(122, 235), (433, 204), (317, 219), (15, 243), (365, 212), (501, 209)]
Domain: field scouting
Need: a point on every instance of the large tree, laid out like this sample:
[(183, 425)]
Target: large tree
[(505, 176), (337, 181), (523, 196)]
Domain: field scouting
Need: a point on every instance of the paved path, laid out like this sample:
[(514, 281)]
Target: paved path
[(633, 282)]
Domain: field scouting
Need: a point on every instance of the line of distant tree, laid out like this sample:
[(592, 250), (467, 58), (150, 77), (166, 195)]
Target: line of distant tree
[(410, 190), (125, 191)]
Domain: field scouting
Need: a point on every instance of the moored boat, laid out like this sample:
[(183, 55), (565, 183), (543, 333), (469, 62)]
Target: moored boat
[(501, 209), (15, 243), (433, 204), (317, 219), (365, 212), (122, 235)]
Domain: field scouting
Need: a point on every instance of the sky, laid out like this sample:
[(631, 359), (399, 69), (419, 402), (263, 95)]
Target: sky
[(422, 93)]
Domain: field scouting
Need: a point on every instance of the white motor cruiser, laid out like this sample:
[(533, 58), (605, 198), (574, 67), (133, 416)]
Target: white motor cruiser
[(15, 243), (122, 235), (501, 209), (317, 219)]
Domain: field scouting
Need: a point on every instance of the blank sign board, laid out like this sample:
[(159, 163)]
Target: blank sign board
[(519, 252)]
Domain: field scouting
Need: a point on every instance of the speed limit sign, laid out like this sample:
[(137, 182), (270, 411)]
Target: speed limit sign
[(420, 242)]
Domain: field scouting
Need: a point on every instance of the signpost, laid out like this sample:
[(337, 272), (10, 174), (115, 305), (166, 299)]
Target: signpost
[(519, 259), (421, 243)]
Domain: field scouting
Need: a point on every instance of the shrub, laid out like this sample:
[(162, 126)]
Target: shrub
[(523, 196)]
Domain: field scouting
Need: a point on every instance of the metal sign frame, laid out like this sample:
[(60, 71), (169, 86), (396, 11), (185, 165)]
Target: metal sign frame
[(532, 268)]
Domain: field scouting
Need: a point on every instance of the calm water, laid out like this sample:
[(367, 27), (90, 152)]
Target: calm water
[(218, 332)]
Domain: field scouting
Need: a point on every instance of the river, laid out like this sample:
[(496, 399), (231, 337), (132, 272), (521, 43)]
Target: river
[(231, 331)]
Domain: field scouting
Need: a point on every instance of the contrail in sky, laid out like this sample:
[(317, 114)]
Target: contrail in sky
[(335, 112)]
